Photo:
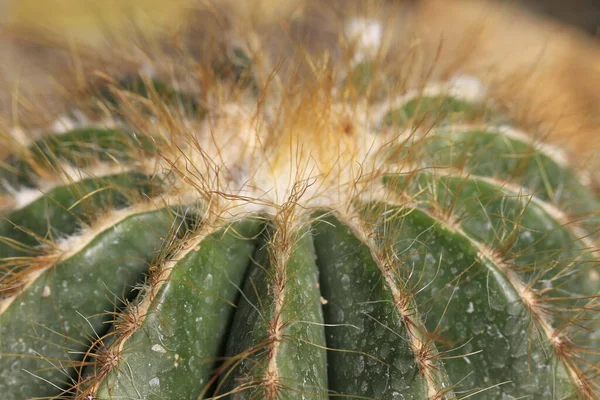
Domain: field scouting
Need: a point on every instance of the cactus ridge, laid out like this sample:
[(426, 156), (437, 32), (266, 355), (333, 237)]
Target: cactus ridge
[(244, 234)]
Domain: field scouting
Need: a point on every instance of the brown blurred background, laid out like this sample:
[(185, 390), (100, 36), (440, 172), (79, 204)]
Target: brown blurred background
[(78, 15), (584, 14), (31, 70)]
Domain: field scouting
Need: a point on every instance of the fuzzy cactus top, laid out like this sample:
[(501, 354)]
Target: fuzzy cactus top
[(296, 210)]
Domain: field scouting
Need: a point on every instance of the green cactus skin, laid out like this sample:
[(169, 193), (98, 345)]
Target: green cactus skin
[(496, 322), (422, 251), (439, 109), (58, 319), (499, 154), (281, 299), (80, 148), (174, 343), (362, 313), (64, 209)]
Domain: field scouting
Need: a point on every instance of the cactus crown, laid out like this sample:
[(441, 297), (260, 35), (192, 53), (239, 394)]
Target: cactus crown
[(322, 224)]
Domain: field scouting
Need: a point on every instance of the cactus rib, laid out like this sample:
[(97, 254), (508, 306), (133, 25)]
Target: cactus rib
[(283, 219)]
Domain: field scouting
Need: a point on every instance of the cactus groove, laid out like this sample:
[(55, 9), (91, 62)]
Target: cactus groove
[(241, 238)]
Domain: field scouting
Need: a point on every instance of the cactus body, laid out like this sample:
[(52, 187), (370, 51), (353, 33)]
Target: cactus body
[(308, 246)]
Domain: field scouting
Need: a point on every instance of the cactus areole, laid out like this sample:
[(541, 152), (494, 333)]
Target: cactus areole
[(252, 236)]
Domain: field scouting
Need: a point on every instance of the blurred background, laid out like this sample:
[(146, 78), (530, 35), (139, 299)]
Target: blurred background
[(583, 14), (82, 17), (88, 19), (32, 69)]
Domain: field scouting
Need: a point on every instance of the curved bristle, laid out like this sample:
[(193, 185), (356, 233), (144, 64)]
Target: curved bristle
[(303, 199)]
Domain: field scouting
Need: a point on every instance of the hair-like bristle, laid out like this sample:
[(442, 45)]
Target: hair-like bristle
[(300, 113)]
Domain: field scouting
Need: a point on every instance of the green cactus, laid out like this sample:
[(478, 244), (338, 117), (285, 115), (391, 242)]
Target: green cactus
[(294, 242)]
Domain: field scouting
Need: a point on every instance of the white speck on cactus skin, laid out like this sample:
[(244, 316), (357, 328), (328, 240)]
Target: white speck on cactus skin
[(159, 349), (46, 291), (470, 308)]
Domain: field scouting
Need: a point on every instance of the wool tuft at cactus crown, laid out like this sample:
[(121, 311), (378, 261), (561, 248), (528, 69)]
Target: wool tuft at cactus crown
[(297, 200)]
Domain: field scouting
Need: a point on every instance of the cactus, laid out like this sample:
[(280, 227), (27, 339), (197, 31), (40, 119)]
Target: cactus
[(252, 235)]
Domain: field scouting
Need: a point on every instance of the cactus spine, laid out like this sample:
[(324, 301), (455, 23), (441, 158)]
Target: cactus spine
[(259, 233)]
